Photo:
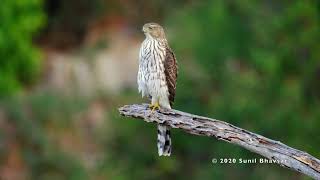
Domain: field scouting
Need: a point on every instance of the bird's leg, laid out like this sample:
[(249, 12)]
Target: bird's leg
[(154, 106)]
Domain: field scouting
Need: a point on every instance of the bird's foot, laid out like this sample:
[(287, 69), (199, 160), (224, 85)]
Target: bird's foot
[(154, 107)]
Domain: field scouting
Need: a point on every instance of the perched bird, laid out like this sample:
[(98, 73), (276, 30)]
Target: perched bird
[(157, 77)]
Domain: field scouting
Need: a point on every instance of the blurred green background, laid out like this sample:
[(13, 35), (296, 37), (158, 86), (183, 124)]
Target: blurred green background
[(66, 66)]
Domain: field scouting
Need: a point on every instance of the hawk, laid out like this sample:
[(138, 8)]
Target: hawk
[(157, 77)]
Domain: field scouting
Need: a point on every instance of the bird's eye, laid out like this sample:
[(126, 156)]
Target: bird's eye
[(150, 27)]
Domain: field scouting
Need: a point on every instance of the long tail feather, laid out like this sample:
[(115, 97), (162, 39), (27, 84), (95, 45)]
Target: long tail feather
[(164, 141)]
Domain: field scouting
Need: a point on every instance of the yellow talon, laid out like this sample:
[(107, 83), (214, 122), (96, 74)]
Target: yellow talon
[(154, 106)]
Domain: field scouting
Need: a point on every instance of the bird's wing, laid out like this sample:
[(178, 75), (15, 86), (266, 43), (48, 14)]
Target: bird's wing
[(171, 73)]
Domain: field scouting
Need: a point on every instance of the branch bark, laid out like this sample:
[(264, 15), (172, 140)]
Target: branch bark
[(274, 150)]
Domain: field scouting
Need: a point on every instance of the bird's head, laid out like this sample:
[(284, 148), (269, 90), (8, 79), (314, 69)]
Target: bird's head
[(153, 30)]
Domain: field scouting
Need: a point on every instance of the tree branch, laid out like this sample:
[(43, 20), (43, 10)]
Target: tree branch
[(274, 150)]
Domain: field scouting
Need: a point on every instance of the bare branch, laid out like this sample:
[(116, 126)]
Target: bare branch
[(274, 150)]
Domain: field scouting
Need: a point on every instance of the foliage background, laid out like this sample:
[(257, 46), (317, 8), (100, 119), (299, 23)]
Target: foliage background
[(255, 64), (19, 59)]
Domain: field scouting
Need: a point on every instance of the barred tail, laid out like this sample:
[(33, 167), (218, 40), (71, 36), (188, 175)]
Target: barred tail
[(164, 140)]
